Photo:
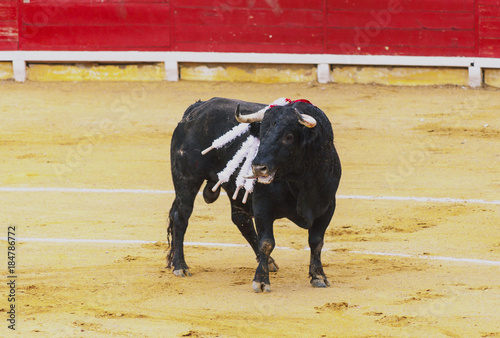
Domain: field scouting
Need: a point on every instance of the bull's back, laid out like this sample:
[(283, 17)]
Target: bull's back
[(203, 122)]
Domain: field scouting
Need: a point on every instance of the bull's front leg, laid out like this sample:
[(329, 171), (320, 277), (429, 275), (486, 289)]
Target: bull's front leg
[(261, 280), (241, 217), (266, 245)]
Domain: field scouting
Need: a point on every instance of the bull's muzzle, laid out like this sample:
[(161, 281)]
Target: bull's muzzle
[(262, 173), (260, 170)]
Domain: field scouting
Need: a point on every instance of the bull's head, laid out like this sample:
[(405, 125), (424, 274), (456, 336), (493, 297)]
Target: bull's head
[(283, 131)]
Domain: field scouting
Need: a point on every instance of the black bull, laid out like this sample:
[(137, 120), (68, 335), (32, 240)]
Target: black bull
[(297, 160)]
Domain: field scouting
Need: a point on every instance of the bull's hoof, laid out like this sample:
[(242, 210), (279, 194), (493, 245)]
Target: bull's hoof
[(182, 273), (273, 267), (320, 283), (261, 287)]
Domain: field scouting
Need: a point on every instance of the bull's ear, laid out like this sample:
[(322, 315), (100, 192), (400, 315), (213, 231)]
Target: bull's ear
[(310, 139), (306, 120)]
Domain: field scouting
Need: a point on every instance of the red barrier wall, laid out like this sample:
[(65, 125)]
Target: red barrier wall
[(488, 28), (374, 27), (9, 34)]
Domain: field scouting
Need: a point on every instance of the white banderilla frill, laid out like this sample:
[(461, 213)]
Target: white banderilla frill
[(237, 130), (246, 170), (247, 150)]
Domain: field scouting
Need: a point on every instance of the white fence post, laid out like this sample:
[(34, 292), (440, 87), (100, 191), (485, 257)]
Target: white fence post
[(19, 68), (323, 73), (475, 75), (171, 70)]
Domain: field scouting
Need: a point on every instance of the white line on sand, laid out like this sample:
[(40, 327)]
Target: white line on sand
[(149, 191), (207, 244)]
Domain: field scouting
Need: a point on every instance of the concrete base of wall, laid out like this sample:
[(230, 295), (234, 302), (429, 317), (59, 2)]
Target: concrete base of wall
[(6, 71), (95, 72), (260, 73), (401, 76), (492, 77)]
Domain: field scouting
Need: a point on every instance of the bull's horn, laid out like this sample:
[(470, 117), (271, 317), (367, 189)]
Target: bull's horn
[(255, 117), (305, 119)]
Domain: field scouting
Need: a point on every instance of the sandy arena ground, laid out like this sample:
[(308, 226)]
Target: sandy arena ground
[(440, 276)]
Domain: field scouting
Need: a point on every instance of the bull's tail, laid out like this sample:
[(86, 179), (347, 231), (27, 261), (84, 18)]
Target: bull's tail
[(170, 238)]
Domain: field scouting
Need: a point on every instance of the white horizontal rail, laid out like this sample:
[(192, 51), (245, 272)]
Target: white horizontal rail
[(215, 57), (171, 60)]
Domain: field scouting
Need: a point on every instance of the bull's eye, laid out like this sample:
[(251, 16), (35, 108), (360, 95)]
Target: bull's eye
[(288, 139), (273, 123)]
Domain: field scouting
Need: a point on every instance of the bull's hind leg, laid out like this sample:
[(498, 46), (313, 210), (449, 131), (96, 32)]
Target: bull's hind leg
[(316, 240), (318, 277), (241, 217), (179, 214)]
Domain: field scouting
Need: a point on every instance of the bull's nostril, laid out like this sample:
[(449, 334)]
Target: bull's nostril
[(260, 170)]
